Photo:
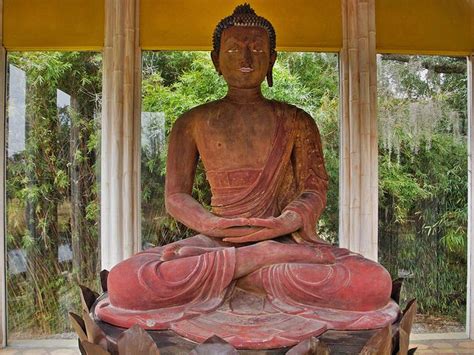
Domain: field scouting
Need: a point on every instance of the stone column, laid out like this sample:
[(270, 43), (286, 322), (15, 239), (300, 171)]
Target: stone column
[(120, 146), (358, 218)]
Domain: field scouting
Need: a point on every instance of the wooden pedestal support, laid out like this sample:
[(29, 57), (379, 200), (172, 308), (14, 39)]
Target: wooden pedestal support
[(96, 337)]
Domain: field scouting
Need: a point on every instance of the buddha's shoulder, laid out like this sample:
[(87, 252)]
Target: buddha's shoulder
[(289, 111), (198, 113)]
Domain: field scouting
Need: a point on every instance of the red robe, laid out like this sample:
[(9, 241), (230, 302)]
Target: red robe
[(164, 294)]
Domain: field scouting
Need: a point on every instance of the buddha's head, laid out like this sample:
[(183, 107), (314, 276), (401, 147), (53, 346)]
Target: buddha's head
[(244, 48)]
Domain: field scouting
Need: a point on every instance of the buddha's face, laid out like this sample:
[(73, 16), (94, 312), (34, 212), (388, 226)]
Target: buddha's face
[(244, 58)]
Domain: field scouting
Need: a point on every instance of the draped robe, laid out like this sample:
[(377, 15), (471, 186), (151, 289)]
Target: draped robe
[(143, 290)]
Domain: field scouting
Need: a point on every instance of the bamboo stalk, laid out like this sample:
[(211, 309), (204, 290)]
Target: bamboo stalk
[(137, 130), (352, 23), (354, 131), (344, 183), (131, 131), (105, 128), (116, 118), (3, 290), (364, 104), (120, 129), (358, 129), (470, 236), (127, 133), (374, 176), (355, 172)]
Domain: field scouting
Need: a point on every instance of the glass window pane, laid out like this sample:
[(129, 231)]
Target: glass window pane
[(422, 104), (174, 82), (53, 110)]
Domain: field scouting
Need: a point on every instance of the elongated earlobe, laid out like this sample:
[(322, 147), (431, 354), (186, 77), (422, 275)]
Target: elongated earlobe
[(215, 61), (273, 58), (270, 78)]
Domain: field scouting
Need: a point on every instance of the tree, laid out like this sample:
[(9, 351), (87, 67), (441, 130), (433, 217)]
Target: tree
[(423, 178), (54, 180)]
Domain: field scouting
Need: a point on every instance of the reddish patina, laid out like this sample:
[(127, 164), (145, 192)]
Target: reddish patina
[(257, 274)]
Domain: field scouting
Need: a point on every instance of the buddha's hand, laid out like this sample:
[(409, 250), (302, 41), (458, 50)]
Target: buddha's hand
[(271, 227), (227, 227), (177, 251)]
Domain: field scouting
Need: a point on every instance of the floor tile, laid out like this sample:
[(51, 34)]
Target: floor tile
[(443, 345), (33, 352), (419, 346), (65, 352), (466, 344)]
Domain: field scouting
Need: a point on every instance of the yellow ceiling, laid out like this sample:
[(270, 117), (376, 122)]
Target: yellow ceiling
[(53, 24), (299, 24), (425, 26), (403, 26)]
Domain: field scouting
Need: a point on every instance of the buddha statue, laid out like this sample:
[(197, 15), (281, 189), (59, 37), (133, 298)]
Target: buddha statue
[(256, 274)]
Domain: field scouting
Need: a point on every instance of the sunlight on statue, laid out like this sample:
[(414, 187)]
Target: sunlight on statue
[(256, 274)]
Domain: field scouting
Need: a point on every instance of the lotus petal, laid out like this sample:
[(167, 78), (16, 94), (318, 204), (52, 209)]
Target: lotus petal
[(95, 335), (379, 343), (88, 297), (79, 326), (310, 346), (104, 274), (214, 346), (405, 326), (93, 349), (136, 341)]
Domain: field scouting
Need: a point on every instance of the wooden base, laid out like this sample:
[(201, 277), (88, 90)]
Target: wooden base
[(97, 337), (168, 342)]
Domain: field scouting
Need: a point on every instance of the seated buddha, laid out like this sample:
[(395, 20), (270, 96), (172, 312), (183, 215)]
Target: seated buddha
[(256, 253)]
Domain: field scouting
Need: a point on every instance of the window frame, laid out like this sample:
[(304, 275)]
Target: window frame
[(110, 52)]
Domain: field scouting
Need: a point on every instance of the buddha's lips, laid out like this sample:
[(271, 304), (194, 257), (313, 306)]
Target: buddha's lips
[(246, 70)]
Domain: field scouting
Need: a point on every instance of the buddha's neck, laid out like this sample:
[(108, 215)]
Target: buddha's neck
[(244, 96)]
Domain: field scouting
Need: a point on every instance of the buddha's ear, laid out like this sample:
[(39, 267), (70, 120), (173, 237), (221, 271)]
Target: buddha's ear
[(215, 61), (273, 57)]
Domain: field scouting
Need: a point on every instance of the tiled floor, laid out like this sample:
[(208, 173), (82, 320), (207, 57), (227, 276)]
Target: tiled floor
[(443, 346), (424, 347), (43, 347), (44, 351)]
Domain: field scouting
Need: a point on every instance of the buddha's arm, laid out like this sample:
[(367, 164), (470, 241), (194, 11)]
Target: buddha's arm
[(301, 214), (180, 170), (311, 178)]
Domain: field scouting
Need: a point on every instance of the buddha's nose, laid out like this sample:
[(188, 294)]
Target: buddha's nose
[(247, 57)]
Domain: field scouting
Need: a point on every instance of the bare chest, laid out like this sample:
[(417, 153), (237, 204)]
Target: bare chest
[(233, 138)]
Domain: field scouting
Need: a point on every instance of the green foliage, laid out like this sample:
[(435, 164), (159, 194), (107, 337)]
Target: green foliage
[(52, 189), (423, 181), (52, 193)]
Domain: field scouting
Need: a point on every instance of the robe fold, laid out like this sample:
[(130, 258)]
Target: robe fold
[(294, 177)]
